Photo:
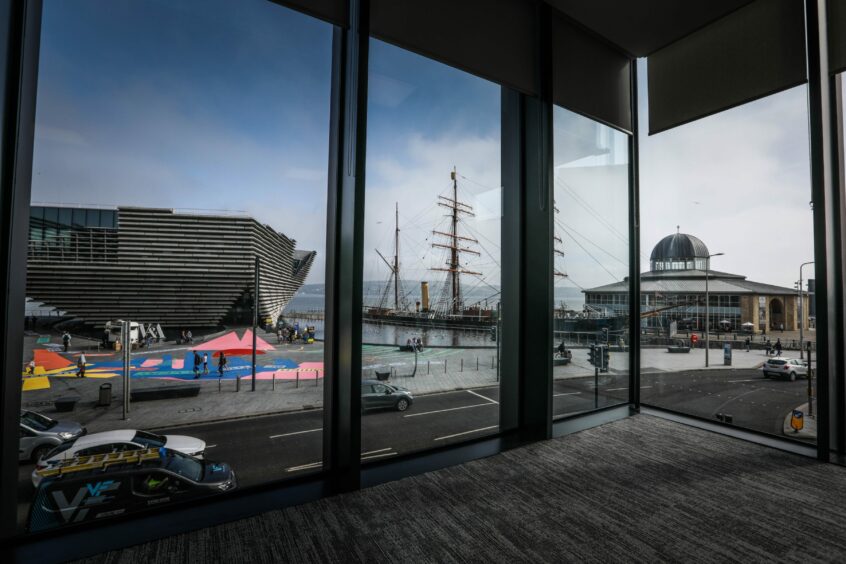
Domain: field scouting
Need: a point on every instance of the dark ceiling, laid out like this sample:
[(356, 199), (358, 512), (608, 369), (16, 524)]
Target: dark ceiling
[(641, 27)]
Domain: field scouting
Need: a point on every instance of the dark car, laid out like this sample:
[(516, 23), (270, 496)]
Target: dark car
[(94, 487), (379, 395)]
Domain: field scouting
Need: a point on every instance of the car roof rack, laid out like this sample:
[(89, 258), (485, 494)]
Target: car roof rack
[(99, 461)]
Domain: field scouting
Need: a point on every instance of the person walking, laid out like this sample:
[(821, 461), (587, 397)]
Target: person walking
[(205, 364), (197, 361), (66, 339), (80, 365), (748, 344), (778, 347), (30, 368), (221, 364)]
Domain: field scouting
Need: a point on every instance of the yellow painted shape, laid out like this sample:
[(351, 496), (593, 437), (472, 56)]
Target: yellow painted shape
[(36, 383)]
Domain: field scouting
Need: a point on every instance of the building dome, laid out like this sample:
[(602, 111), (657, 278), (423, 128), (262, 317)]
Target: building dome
[(679, 251)]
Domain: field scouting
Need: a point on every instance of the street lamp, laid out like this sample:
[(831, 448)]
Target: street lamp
[(802, 310), (707, 306)]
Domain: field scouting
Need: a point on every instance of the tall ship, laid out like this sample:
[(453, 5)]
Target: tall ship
[(449, 307)]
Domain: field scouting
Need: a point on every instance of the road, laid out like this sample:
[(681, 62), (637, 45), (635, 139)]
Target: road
[(266, 448)]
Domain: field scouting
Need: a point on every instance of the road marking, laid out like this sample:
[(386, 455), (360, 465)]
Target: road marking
[(566, 394), (467, 432), (481, 396), (317, 464), (448, 409), (295, 433), (753, 380), (210, 446), (379, 455), (645, 387), (616, 389), (375, 451)]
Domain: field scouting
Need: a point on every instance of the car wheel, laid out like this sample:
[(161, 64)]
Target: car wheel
[(792, 376), (402, 404), (40, 451)]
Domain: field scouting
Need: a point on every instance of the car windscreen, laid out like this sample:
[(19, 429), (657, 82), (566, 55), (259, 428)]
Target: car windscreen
[(777, 362), (58, 450), (184, 465), (37, 421), (149, 440)]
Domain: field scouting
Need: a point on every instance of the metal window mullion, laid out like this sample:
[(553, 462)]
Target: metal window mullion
[(345, 251), (634, 248), (20, 32)]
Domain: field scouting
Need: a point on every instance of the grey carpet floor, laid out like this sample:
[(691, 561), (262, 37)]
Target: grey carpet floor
[(641, 489)]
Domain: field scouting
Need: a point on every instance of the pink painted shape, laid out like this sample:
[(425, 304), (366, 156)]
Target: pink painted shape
[(222, 343), (311, 365), (291, 374), (247, 342), (178, 363), (150, 362)]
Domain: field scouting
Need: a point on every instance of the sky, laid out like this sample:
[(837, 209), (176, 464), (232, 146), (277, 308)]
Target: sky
[(213, 105)]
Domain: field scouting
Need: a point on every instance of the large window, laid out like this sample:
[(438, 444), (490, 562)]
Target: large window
[(178, 206), (591, 249), (430, 362), (730, 194)]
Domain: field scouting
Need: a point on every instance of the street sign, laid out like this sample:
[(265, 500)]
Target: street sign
[(797, 421), (727, 354)]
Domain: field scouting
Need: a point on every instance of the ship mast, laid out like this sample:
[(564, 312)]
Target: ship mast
[(454, 269), (396, 257)]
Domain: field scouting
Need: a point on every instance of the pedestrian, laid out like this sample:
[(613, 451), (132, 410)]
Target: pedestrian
[(221, 364), (205, 364), (197, 361), (781, 327), (80, 365), (778, 347), (66, 339), (189, 336), (748, 344), (30, 368)]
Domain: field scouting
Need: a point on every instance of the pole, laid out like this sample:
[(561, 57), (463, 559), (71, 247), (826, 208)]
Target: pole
[(127, 343), (456, 291), (802, 311), (707, 313), (255, 321), (396, 258), (810, 385)]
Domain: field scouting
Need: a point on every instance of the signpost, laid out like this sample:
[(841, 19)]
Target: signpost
[(727, 354), (126, 344)]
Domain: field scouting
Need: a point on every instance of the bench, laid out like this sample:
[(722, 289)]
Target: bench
[(165, 392)]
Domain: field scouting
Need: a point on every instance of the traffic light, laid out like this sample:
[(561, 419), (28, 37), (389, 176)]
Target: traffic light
[(606, 358), (592, 355)]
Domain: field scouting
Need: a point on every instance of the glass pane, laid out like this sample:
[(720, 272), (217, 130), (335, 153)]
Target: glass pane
[(713, 335), (183, 141), (432, 255), (591, 250)]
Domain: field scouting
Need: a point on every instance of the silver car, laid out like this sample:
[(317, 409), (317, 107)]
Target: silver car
[(790, 368), (39, 434)]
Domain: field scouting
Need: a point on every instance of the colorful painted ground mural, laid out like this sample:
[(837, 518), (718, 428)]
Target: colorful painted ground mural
[(238, 352)]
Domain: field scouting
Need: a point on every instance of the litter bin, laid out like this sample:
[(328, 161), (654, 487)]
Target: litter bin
[(105, 394)]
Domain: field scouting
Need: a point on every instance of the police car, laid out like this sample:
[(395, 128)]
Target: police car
[(104, 485)]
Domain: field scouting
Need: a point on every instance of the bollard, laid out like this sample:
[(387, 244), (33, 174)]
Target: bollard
[(477, 364), (462, 366), (316, 382), (218, 385), (237, 384), (428, 367), (492, 361), (274, 381), (445, 364), (298, 379)]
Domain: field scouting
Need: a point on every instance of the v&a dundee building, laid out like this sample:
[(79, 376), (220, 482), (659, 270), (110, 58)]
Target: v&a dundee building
[(674, 291), (159, 266)]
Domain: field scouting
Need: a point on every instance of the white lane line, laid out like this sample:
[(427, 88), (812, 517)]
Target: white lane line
[(616, 389), (449, 409), (295, 433), (645, 387), (317, 464), (467, 432), (375, 451), (210, 446), (481, 396), (753, 380), (379, 455), (566, 394)]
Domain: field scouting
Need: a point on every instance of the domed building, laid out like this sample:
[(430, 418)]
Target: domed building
[(674, 291)]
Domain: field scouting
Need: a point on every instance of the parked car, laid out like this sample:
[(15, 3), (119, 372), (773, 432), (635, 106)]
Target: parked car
[(787, 367), (379, 395), (117, 441), (40, 434), (98, 486)]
